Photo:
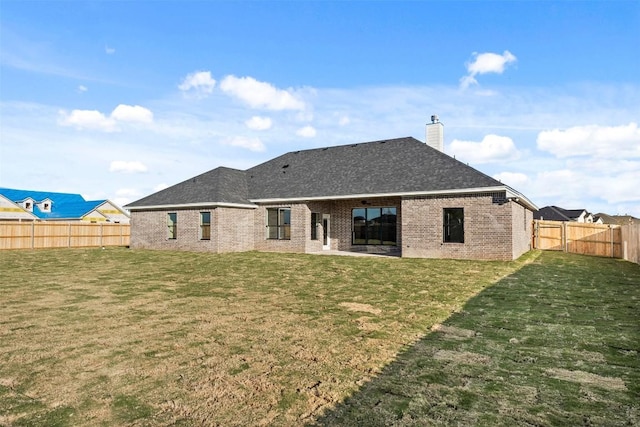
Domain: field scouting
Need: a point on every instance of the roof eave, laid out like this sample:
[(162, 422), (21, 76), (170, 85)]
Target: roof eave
[(518, 197), (133, 208), (510, 192)]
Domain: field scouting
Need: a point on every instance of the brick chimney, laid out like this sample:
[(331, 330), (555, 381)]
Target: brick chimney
[(435, 133)]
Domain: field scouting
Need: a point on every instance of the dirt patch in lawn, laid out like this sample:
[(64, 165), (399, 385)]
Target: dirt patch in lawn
[(462, 357), (356, 306), (453, 332), (587, 378)]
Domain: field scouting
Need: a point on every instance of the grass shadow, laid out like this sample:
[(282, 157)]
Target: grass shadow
[(555, 343)]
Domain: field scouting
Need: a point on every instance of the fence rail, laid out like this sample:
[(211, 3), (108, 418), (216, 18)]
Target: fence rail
[(588, 239), (40, 235)]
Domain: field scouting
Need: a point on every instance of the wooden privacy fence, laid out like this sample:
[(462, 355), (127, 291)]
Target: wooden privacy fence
[(40, 235), (579, 238), (631, 242)]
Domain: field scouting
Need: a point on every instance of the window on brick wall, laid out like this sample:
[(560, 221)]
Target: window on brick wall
[(315, 222), (172, 225), (279, 223), (453, 225), (205, 225), (374, 226)]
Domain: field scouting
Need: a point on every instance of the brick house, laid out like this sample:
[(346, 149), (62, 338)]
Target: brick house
[(398, 196)]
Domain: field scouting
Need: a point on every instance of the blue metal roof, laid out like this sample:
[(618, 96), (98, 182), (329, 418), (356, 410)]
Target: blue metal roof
[(63, 205)]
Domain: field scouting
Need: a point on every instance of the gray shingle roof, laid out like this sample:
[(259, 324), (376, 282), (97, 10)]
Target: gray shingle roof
[(402, 165), (555, 213), (220, 185)]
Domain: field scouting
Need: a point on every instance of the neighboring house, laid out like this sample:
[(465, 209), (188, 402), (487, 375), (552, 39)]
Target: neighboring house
[(26, 205), (554, 213), (398, 196), (10, 211), (618, 219)]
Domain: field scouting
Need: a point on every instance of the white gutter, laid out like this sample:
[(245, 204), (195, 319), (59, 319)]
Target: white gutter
[(519, 198), (511, 194), (192, 205)]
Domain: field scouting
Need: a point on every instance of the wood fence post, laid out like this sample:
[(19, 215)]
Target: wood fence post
[(565, 242), (33, 234), (611, 240), (101, 231)]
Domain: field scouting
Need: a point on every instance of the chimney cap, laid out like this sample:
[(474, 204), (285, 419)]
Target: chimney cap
[(434, 118)]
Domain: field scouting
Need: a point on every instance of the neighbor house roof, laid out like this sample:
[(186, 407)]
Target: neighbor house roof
[(618, 219), (554, 213), (403, 166), (63, 205)]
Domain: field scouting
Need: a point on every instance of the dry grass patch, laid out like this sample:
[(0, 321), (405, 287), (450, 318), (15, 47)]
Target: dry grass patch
[(355, 306), (587, 378)]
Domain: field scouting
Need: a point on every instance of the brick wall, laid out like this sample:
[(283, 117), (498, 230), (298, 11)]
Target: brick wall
[(494, 228), (488, 227), (234, 229), (231, 230), (521, 229)]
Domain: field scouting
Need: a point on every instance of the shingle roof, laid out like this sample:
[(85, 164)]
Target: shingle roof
[(395, 166), (220, 185), (555, 213), (400, 165), (63, 205)]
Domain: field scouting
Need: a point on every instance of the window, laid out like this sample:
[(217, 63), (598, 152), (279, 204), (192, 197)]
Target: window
[(374, 226), (279, 223), (315, 222), (453, 225), (44, 206), (172, 225), (28, 206), (205, 225)]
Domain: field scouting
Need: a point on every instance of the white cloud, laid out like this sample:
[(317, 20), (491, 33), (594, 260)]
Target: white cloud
[(306, 132), (95, 120), (515, 180), (602, 141), (260, 94), (125, 196), (344, 120), (581, 188), (127, 167), (88, 119), (132, 113), (492, 148), (258, 123), (109, 50), (199, 82), (127, 192), (160, 187), (252, 144), (484, 63), (82, 89)]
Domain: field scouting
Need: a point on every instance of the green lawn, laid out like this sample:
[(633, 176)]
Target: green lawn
[(121, 337)]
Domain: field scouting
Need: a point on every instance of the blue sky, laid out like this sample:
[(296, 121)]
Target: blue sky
[(118, 99)]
